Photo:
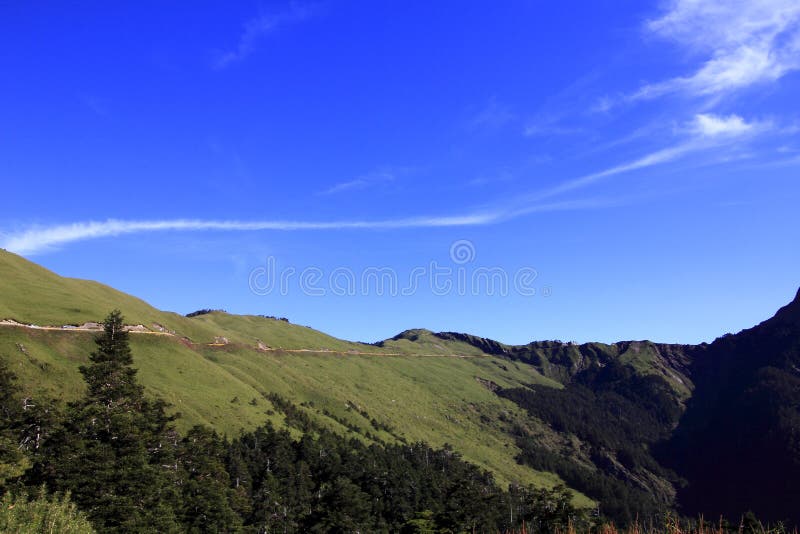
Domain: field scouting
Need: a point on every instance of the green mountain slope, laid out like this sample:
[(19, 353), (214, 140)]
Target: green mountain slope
[(562, 361), (32, 294), (611, 420), (219, 369)]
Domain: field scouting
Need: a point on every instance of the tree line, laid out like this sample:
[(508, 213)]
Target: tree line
[(114, 459)]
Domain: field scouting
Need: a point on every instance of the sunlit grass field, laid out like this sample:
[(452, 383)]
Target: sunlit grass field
[(417, 387)]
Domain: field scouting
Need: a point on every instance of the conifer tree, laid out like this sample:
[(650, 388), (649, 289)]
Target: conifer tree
[(112, 453), (206, 496), (110, 379)]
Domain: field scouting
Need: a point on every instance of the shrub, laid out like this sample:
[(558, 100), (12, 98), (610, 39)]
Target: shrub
[(44, 514)]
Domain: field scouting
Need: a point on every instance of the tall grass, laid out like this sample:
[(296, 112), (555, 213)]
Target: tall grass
[(671, 525), (43, 515)]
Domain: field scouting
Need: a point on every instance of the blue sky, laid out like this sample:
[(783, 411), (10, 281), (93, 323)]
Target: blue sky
[(637, 163)]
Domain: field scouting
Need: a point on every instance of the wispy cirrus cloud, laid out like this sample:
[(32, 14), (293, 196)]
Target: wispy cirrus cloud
[(544, 130), (372, 179), (492, 116), (256, 28), (39, 239), (658, 157), (742, 43), (705, 131)]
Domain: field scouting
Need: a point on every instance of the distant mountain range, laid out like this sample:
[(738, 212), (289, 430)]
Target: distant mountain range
[(635, 428)]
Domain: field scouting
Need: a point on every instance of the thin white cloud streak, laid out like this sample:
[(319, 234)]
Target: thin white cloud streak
[(256, 28), (654, 158), (492, 117), (541, 130), (706, 131), (358, 183), (39, 239), (744, 42), (362, 182)]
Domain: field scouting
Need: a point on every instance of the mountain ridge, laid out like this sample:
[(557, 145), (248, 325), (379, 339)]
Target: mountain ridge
[(620, 423)]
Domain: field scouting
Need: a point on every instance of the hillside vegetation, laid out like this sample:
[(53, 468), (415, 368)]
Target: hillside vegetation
[(634, 429), (433, 394)]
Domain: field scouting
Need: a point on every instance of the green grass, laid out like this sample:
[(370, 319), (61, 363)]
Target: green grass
[(419, 386), (42, 515), (31, 294), (276, 334), (421, 341), (644, 357), (430, 398)]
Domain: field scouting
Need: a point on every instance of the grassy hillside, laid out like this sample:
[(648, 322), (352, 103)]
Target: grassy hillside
[(437, 399), (542, 413), (275, 334), (421, 341), (415, 387), (31, 294)]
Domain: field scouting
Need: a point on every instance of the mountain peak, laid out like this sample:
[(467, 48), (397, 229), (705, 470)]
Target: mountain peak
[(790, 312)]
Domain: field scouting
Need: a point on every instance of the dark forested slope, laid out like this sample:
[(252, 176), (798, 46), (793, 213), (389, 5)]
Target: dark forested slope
[(738, 443)]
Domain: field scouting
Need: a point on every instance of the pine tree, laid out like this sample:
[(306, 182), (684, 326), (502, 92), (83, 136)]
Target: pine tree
[(112, 453), (343, 508), (110, 379), (206, 494)]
